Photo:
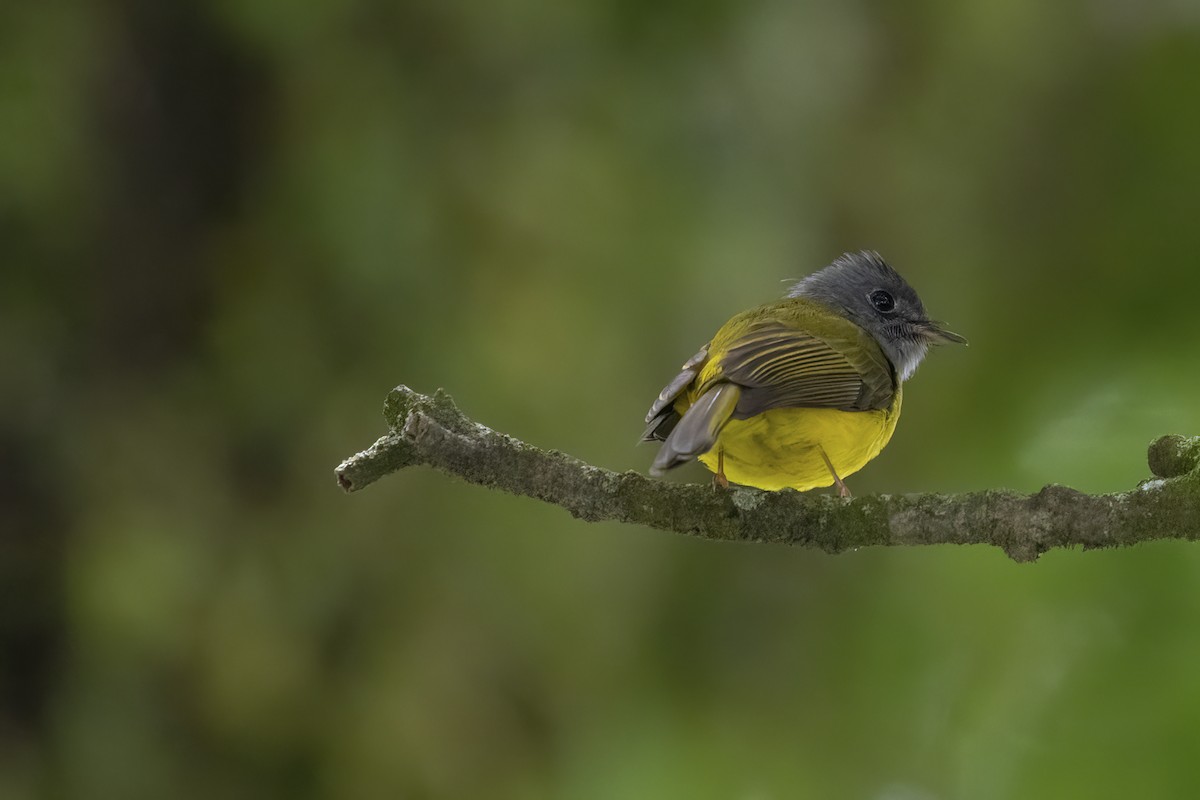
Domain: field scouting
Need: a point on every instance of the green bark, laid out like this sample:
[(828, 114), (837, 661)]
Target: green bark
[(432, 431)]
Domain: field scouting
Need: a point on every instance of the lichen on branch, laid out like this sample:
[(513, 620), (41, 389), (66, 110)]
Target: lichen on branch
[(431, 431)]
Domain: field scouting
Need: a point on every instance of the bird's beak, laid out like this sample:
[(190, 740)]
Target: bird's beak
[(936, 334)]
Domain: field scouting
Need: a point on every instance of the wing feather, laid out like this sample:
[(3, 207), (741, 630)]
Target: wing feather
[(779, 366)]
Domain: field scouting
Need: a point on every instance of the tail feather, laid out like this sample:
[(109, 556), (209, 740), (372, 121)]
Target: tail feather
[(660, 427), (664, 405), (697, 431)]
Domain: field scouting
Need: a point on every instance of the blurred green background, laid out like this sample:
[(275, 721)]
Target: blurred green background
[(228, 228)]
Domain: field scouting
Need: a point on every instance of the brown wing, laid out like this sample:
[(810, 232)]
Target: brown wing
[(781, 367)]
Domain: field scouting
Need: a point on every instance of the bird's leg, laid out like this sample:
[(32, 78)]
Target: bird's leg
[(719, 479), (843, 490)]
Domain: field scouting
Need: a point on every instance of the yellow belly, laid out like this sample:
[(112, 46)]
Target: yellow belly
[(781, 448)]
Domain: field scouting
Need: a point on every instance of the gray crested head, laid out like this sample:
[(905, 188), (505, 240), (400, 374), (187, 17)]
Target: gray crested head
[(874, 296)]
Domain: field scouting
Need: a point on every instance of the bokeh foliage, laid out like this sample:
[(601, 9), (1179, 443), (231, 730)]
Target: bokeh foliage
[(228, 228)]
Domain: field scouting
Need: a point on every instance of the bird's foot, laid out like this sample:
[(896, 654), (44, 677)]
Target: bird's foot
[(843, 489), (719, 480)]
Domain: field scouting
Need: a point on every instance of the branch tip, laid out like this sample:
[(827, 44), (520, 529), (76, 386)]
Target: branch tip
[(397, 405), (1174, 456)]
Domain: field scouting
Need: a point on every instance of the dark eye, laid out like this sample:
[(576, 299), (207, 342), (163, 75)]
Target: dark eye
[(882, 301)]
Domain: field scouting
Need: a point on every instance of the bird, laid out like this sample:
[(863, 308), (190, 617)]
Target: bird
[(802, 392)]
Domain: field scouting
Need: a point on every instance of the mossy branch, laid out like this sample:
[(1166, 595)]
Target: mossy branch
[(432, 431)]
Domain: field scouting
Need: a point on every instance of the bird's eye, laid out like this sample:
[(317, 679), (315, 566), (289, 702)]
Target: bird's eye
[(882, 301)]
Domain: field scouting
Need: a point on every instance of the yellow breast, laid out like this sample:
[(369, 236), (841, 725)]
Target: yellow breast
[(781, 448)]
